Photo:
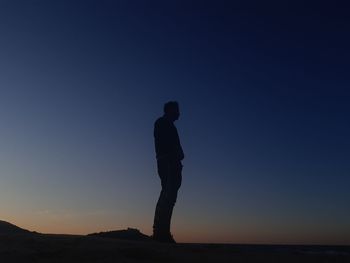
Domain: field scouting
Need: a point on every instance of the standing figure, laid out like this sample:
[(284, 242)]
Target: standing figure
[(169, 154)]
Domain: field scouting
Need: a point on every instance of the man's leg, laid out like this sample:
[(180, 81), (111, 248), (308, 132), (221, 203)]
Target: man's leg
[(170, 175)]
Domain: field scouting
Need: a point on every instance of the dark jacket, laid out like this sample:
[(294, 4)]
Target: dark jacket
[(166, 140)]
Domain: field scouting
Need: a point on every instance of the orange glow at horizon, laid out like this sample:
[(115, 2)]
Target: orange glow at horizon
[(183, 234)]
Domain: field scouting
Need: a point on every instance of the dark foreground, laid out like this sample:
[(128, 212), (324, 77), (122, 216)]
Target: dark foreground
[(70, 248)]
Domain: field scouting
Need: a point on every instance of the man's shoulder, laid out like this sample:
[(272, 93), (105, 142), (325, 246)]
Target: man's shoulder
[(161, 121), (162, 124)]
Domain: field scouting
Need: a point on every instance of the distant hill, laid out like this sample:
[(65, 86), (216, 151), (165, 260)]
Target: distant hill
[(7, 228), (129, 234)]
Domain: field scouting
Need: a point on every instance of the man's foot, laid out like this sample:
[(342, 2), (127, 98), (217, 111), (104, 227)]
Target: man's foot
[(164, 238)]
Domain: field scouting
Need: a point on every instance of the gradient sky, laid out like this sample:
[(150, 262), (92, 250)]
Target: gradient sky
[(265, 101)]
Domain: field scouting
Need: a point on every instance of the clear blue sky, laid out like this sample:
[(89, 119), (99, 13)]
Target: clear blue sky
[(265, 102)]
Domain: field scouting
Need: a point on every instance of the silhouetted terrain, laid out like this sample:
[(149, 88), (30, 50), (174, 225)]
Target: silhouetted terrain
[(8, 228), (121, 246), (128, 234)]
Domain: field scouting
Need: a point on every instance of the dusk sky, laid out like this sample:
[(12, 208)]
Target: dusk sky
[(264, 94)]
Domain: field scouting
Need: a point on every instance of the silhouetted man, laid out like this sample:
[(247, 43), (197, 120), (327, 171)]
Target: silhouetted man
[(169, 154)]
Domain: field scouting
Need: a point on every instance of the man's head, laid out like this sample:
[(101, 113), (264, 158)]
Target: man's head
[(171, 110)]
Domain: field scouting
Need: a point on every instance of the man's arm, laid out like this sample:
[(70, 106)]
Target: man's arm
[(162, 139)]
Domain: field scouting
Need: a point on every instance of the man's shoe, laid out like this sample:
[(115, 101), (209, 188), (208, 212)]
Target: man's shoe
[(164, 238)]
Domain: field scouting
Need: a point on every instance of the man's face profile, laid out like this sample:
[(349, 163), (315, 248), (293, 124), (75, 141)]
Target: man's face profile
[(176, 113), (173, 112)]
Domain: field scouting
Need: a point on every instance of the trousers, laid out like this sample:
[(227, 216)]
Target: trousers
[(170, 173)]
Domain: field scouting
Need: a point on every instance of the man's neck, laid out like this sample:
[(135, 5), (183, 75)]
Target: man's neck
[(168, 118)]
